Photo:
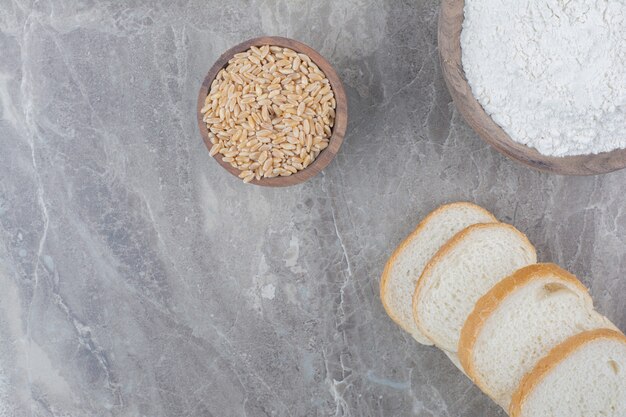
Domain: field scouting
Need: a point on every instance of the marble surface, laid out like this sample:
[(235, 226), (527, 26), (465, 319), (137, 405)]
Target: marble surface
[(140, 279)]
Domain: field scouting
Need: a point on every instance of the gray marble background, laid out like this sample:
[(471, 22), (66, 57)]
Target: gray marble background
[(140, 279)]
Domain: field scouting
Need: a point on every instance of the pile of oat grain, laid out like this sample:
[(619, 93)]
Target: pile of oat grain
[(270, 112)]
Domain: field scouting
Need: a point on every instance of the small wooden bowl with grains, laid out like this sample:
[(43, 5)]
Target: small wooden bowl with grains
[(272, 111)]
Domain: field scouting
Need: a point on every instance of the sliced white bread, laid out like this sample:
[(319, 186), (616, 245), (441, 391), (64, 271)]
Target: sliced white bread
[(518, 322), (409, 259), (585, 376), (461, 272), (455, 360)]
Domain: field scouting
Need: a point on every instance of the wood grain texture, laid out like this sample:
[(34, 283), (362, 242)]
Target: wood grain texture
[(341, 111), (449, 33)]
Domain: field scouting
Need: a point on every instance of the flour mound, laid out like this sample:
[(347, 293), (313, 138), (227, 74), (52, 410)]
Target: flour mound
[(551, 73)]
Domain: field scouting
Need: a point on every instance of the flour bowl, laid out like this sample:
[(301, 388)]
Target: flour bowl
[(335, 135), (449, 33)]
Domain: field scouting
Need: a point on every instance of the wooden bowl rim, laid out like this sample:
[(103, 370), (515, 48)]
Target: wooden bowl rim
[(341, 111), (449, 45)]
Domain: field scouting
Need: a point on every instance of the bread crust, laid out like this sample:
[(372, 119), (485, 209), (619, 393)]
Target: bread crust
[(554, 358), (442, 253), (493, 299), (402, 246)]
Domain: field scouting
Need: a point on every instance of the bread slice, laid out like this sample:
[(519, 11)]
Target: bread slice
[(455, 360), (462, 271), (409, 259), (585, 376), (518, 321)]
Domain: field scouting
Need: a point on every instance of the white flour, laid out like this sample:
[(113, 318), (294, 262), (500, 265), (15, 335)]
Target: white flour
[(551, 73)]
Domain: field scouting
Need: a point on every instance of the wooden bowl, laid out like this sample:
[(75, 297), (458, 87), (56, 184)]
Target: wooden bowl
[(341, 110), (449, 33)]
